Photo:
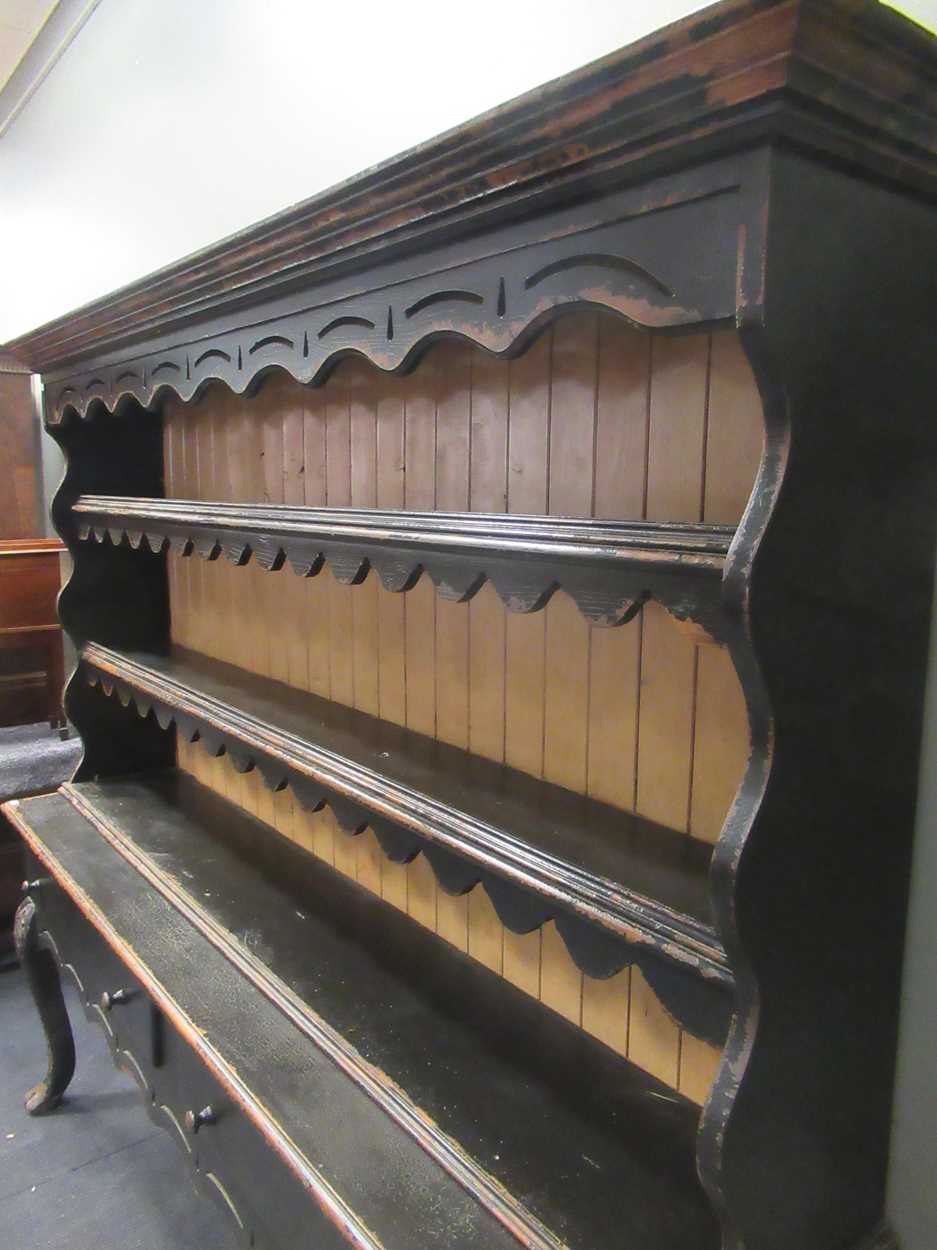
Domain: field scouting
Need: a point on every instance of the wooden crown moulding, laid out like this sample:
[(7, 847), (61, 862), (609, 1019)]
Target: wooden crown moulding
[(842, 78), (609, 568), (475, 821), (664, 257)]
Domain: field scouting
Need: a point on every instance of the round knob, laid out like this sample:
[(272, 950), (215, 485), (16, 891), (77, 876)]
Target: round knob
[(110, 1000), (195, 1119)]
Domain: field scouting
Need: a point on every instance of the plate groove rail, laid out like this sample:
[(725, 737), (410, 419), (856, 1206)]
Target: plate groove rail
[(610, 568)]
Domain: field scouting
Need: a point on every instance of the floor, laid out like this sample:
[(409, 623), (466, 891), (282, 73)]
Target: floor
[(33, 759), (95, 1174)]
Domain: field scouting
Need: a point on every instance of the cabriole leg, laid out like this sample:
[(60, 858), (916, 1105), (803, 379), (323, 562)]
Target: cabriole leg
[(43, 976)]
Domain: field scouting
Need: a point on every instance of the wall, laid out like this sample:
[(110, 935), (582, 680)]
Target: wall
[(244, 108), (169, 124)]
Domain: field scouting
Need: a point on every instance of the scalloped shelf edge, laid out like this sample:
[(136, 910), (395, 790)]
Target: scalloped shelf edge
[(607, 597)]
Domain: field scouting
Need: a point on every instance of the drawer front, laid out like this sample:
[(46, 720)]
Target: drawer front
[(230, 1162)]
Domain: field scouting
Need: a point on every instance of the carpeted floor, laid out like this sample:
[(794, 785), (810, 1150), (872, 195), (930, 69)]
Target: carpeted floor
[(34, 759), (95, 1174)]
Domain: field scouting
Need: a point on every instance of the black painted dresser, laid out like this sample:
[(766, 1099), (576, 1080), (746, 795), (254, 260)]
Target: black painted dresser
[(501, 590)]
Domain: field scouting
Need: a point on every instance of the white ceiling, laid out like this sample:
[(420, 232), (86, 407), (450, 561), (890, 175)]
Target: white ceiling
[(20, 23)]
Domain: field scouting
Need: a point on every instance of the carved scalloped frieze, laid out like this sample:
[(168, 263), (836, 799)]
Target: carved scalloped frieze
[(694, 988), (648, 262), (608, 568)]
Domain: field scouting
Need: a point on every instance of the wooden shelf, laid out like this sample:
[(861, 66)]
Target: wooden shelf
[(452, 1070), (621, 889), (608, 567)]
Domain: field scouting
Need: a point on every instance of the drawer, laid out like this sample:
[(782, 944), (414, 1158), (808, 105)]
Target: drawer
[(229, 1162)]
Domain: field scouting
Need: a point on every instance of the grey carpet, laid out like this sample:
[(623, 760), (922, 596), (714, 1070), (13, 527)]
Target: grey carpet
[(33, 759), (95, 1174)]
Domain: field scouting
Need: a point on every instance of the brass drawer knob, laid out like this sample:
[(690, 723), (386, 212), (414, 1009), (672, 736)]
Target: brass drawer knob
[(195, 1119), (110, 1000)]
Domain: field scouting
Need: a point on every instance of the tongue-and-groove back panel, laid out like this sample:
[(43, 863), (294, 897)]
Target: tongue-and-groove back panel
[(594, 419)]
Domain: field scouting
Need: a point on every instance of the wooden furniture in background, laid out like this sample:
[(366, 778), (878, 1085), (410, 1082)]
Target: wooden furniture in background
[(31, 664), (502, 591), (21, 510)]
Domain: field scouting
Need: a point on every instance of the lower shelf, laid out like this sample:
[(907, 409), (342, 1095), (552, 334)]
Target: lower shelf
[(379, 1051)]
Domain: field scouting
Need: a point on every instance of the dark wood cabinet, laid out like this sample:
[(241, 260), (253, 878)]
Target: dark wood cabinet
[(501, 589), (31, 662)]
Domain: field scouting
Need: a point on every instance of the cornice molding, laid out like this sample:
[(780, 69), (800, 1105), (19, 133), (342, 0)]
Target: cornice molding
[(852, 80)]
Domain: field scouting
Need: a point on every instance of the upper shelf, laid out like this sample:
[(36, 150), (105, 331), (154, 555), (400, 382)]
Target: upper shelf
[(608, 567), (620, 888)]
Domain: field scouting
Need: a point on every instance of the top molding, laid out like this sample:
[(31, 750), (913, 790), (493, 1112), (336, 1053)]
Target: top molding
[(848, 79)]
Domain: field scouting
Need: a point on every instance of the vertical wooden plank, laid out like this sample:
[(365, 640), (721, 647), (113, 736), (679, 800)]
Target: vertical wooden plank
[(677, 428), (489, 493), (420, 603), (369, 861), (621, 415), (241, 462), (489, 434), (174, 450), (566, 702), (452, 373), (605, 1009), (392, 681), (365, 390), (622, 410), (420, 619), (204, 583), (453, 414), (734, 432), (614, 681), (345, 850), (452, 672), (721, 742), (420, 494), (525, 636), (668, 664), (733, 453), (676, 441), (453, 448), (338, 493), (214, 483), (699, 1062), (653, 1038), (571, 484), (315, 590), (487, 644), (560, 980), (485, 941), (566, 693), (363, 419), (668, 674), (522, 954), (304, 482)]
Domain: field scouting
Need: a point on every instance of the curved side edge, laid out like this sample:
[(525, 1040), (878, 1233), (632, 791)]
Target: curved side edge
[(110, 594), (741, 822)]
